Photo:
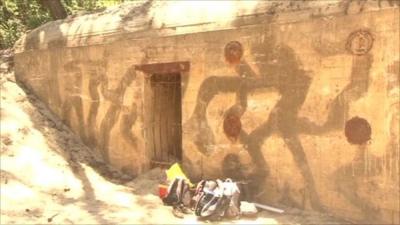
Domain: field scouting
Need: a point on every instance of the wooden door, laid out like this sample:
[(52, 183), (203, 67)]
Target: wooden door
[(164, 137)]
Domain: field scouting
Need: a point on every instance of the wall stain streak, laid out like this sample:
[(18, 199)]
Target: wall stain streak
[(128, 120), (53, 82), (96, 73), (72, 100), (364, 167)]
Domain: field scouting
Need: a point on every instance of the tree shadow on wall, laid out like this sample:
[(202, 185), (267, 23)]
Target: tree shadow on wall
[(71, 102), (67, 143), (348, 177), (72, 65), (279, 69), (339, 107)]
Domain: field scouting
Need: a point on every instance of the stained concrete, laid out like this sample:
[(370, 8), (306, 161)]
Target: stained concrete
[(272, 104)]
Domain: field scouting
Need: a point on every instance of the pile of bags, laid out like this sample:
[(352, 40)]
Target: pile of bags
[(210, 199)]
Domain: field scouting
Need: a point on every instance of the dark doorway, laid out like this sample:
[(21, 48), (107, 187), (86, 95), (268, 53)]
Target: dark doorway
[(164, 116)]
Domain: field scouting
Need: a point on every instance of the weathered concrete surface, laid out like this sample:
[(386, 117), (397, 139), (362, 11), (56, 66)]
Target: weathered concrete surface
[(270, 88)]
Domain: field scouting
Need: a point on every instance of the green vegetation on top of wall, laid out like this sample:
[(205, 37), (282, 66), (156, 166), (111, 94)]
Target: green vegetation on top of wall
[(20, 16)]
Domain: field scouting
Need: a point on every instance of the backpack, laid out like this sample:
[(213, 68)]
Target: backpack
[(178, 193), (216, 199), (232, 191)]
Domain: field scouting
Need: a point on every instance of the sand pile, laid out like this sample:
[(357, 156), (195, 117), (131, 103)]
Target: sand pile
[(148, 182)]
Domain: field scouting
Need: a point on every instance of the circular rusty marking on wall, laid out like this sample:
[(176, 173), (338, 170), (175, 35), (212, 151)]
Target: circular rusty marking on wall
[(233, 52), (359, 42), (232, 126), (357, 131)]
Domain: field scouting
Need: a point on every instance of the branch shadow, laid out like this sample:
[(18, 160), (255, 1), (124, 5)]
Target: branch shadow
[(63, 142)]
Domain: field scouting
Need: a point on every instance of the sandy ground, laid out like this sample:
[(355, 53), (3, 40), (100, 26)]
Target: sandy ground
[(49, 176)]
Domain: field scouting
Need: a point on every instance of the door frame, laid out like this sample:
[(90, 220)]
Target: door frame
[(181, 67)]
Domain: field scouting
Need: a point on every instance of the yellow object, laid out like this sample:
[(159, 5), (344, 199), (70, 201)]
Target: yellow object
[(175, 171)]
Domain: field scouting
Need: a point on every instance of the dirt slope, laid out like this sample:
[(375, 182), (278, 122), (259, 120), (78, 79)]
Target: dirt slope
[(49, 176)]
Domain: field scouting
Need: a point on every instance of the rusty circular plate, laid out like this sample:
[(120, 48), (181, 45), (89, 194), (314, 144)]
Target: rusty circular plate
[(233, 52), (232, 126), (359, 42), (357, 131)]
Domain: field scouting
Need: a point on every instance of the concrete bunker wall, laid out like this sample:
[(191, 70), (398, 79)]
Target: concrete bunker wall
[(310, 109)]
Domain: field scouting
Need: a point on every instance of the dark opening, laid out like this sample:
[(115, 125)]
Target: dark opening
[(163, 110)]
